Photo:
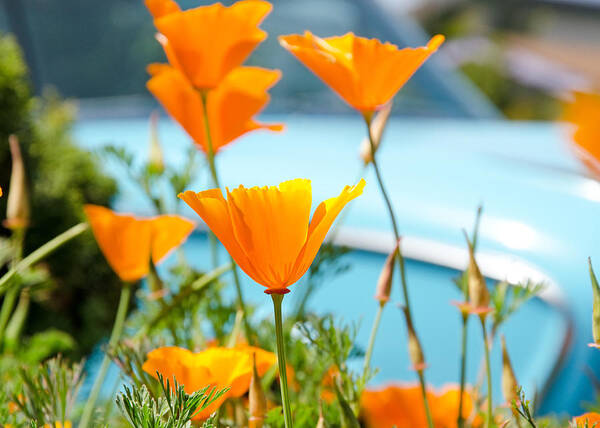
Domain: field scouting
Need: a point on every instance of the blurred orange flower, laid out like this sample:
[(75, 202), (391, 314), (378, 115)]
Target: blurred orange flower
[(589, 418), (402, 407), (267, 230), (128, 242), (207, 42), (216, 366), (366, 73), (231, 106), (583, 112)]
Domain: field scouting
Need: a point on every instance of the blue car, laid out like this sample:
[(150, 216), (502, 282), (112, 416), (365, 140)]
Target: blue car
[(446, 151)]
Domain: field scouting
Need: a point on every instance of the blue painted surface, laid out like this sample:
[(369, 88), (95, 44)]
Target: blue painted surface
[(537, 206)]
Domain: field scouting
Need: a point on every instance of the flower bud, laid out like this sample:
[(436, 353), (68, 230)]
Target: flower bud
[(479, 296), (377, 128), (155, 161), (415, 351), (17, 206), (596, 305), (257, 402), (510, 386), (384, 284)]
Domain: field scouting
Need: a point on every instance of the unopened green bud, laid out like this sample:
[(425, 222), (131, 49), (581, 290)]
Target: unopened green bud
[(384, 284), (415, 351), (377, 127), (155, 159), (17, 206), (479, 296), (257, 402), (510, 386)]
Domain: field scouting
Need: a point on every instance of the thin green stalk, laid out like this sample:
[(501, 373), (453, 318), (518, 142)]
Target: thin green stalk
[(371, 345), (285, 397), (17, 321), (425, 401), (40, 254), (463, 368), (8, 305), (114, 338), (488, 369), (11, 297), (392, 215), (210, 156), (196, 287)]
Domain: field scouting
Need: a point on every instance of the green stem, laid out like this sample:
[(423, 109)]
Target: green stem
[(40, 254), (371, 345), (7, 307), (463, 368), (17, 321), (488, 370), (285, 398), (210, 155), (114, 338), (425, 401), (392, 216), (8, 304)]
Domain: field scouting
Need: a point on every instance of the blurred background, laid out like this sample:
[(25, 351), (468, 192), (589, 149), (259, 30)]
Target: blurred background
[(513, 57), (475, 126)]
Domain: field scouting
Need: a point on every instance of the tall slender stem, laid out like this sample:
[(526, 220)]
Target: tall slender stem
[(463, 367), (425, 401), (371, 345), (114, 338), (10, 299), (210, 156), (488, 370), (285, 397), (403, 281)]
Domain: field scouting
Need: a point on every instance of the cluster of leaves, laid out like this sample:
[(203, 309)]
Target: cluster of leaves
[(174, 409), (42, 394)]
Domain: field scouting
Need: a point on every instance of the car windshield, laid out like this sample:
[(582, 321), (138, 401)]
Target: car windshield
[(101, 49)]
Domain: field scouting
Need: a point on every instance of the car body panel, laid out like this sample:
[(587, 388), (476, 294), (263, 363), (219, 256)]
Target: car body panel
[(538, 209)]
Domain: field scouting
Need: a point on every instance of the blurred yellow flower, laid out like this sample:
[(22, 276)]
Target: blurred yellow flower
[(583, 111), (401, 406), (207, 42), (217, 366), (231, 106), (129, 243)]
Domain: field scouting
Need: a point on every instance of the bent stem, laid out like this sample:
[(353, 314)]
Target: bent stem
[(114, 338), (285, 398), (371, 345), (488, 370), (463, 368), (368, 118), (210, 156)]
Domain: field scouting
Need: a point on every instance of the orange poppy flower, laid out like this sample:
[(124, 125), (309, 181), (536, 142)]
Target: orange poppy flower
[(231, 106), (590, 418), (216, 366), (583, 112), (366, 73), (402, 407), (128, 242), (267, 230), (207, 42)]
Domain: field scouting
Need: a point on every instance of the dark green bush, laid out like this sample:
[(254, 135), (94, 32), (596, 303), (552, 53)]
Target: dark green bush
[(61, 177)]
